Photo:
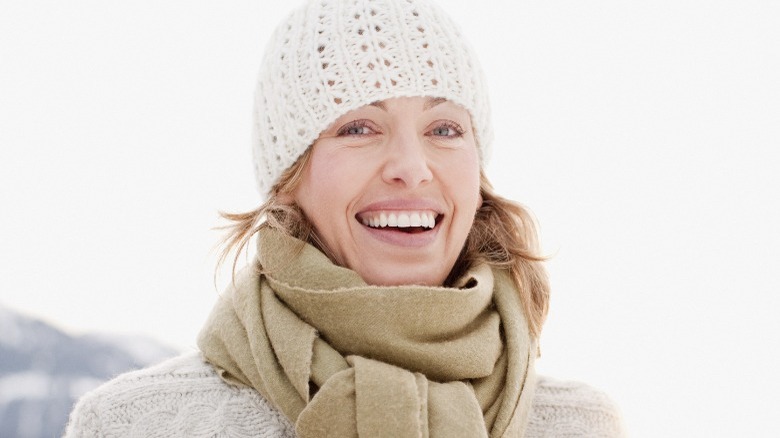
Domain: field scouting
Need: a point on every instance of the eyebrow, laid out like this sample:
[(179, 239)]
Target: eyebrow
[(430, 103), (433, 102)]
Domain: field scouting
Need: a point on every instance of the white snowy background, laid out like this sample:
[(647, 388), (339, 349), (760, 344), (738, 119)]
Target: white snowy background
[(643, 134)]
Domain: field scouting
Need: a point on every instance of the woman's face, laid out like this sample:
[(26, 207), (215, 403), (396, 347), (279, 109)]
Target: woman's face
[(392, 188)]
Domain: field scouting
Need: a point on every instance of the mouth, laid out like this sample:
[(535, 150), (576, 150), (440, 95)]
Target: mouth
[(410, 222)]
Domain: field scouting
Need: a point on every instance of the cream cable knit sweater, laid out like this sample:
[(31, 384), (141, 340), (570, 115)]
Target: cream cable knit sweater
[(184, 397)]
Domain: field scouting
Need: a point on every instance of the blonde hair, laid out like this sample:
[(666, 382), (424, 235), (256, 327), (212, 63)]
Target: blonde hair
[(503, 235)]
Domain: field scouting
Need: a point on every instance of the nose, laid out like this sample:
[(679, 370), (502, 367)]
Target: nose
[(406, 162)]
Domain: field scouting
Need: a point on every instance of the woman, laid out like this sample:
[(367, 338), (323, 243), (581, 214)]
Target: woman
[(393, 293)]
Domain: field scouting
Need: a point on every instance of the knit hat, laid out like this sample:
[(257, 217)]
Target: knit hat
[(330, 57)]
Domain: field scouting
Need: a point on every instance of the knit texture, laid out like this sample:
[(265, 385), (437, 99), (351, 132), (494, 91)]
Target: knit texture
[(400, 361), (184, 397), (332, 56), (571, 409)]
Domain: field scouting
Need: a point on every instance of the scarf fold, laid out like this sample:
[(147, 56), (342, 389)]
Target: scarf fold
[(342, 358)]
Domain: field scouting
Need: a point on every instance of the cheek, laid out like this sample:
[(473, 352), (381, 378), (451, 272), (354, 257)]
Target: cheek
[(324, 193), (313, 192), (464, 181)]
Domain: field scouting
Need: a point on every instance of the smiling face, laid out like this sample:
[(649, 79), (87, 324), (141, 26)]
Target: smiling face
[(392, 188)]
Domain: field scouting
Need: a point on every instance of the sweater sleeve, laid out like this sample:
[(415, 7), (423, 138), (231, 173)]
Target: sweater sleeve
[(84, 420), (182, 397), (568, 409)]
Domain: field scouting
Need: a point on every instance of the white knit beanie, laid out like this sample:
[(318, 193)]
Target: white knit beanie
[(330, 57)]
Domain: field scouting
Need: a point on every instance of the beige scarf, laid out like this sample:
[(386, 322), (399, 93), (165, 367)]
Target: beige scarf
[(341, 358)]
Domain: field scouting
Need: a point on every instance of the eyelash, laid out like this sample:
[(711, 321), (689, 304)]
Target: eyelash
[(344, 130), (451, 125)]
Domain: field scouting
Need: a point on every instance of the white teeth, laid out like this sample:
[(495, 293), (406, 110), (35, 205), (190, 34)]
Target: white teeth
[(402, 219)]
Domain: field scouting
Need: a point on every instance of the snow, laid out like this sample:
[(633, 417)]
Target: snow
[(24, 385), (82, 385), (10, 333), (142, 349)]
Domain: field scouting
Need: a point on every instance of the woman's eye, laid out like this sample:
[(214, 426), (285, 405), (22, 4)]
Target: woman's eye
[(447, 130), (444, 131), (357, 130), (358, 127)]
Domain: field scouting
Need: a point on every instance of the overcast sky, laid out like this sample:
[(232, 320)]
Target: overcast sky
[(643, 134)]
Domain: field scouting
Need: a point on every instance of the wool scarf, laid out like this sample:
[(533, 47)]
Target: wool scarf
[(341, 358)]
